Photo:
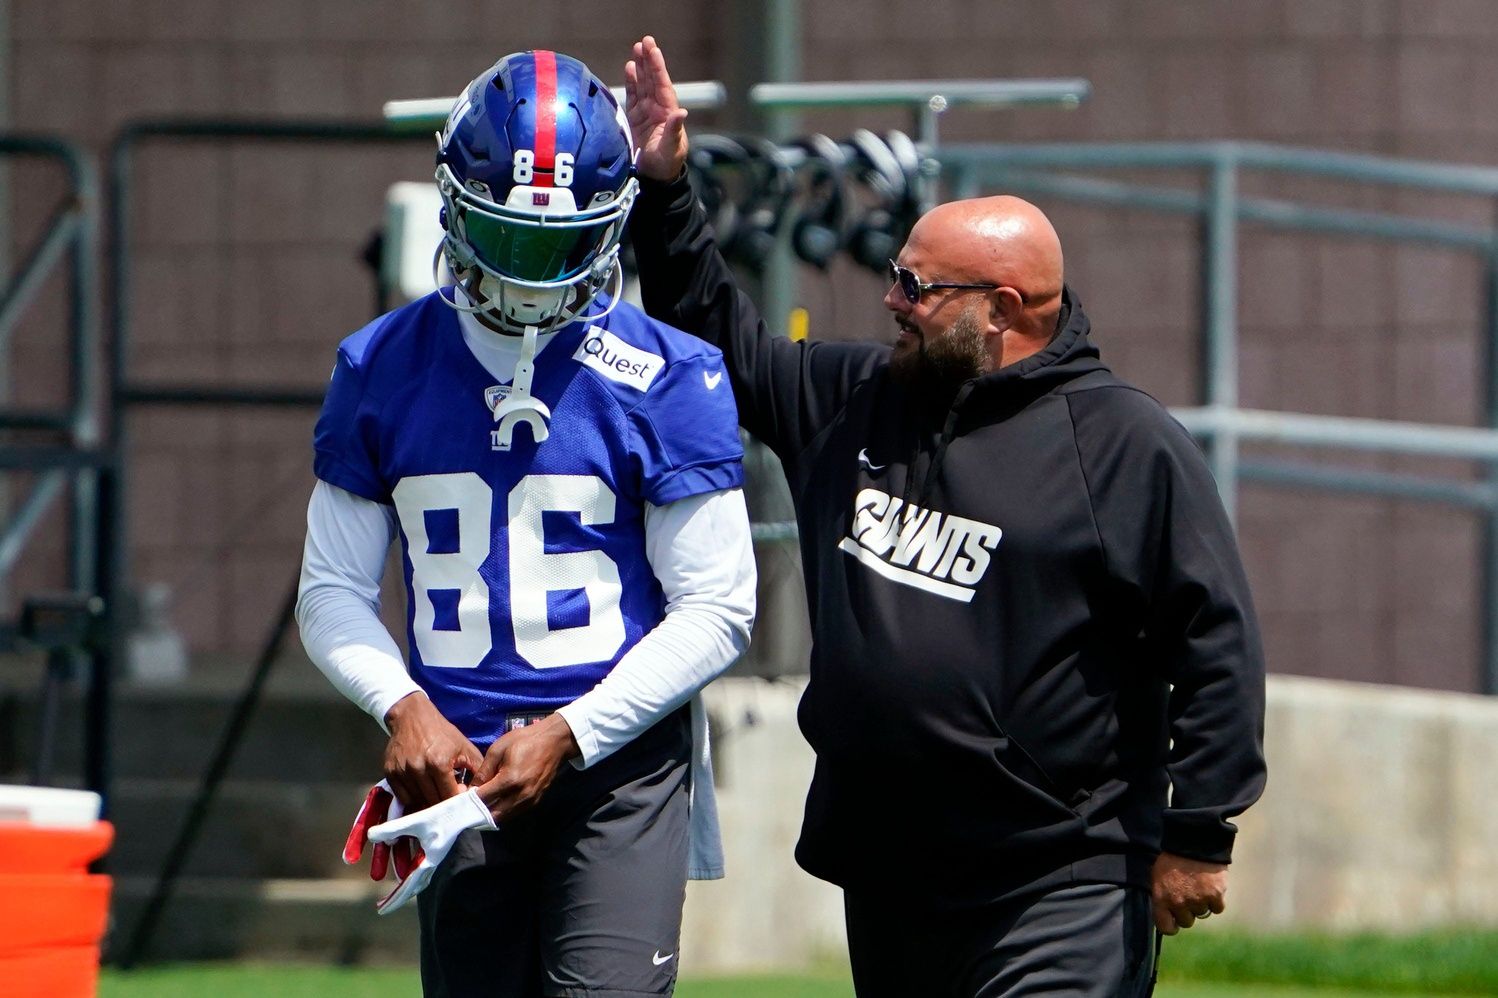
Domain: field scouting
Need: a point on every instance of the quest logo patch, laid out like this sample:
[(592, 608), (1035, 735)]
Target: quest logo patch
[(618, 361)]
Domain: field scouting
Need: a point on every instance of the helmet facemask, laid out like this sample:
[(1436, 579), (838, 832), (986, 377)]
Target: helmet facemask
[(535, 260)]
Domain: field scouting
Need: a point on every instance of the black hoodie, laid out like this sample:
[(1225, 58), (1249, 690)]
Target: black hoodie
[(1029, 614)]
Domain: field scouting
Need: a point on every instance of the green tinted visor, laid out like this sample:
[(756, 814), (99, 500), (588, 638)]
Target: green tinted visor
[(533, 252)]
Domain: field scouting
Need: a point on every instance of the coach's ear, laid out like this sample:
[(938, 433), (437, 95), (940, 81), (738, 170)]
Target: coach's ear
[(1005, 306)]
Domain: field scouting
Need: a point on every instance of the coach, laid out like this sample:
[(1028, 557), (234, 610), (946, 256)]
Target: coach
[(1036, 691)]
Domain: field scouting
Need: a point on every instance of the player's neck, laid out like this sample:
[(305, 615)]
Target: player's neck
[(486, 333), (493, 326)]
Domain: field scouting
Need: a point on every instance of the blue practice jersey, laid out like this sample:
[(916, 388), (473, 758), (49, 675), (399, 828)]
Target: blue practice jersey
[(525, 569)]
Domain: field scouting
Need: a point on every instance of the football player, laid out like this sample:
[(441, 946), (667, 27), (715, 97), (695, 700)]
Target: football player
[(564, 476)]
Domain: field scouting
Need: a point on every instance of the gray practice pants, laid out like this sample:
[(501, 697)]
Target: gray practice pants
[(1077, 941), (581, 896)]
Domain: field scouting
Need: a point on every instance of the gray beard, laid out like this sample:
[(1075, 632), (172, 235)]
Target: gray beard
[(943, 363)]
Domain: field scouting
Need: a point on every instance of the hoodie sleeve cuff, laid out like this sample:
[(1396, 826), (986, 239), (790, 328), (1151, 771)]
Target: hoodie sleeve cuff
[(1196, 836), (670, 195)]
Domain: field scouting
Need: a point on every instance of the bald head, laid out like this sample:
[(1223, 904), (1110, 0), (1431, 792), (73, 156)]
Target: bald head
[(994, 240), (1004, 257)]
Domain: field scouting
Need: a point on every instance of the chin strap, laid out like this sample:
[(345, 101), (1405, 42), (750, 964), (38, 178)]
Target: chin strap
[(520, 406)]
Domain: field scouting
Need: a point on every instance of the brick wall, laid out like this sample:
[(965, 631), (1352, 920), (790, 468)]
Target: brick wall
[(247, 271)]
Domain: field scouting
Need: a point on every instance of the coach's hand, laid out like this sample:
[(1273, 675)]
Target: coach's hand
[(520, 766), (423, 751), (1185, 890), (656, 121)]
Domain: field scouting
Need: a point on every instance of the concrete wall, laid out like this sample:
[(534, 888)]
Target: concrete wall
[(766, 912), (1380, 814), (247, 271), (1380, 811)]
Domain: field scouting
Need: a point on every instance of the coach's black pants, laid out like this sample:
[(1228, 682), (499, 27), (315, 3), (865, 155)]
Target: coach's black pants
[(1077, 941)]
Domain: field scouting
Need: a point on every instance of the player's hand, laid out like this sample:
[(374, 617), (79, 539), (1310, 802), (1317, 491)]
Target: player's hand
[(423, 751), (1185, 890), (656, 121), (435, 831), (520, 766)]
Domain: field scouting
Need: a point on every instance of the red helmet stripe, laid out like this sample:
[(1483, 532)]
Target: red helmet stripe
[(546, 117)]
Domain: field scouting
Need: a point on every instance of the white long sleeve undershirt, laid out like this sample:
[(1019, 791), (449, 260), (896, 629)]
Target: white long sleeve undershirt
[(699, 549), (338, 602)]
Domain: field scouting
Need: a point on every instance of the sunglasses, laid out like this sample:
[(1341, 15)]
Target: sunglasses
[(912, 287)]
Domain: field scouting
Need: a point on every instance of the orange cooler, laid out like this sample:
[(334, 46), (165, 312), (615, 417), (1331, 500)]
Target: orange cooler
[(54, 911)]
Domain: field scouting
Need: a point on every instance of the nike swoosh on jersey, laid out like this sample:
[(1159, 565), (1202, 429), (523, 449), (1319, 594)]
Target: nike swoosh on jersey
[(658, 959), (711, 380), (863, 459)]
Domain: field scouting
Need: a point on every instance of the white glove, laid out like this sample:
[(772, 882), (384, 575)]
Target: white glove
[(436, 829)]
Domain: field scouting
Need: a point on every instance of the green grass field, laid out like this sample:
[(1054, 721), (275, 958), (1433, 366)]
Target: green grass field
[(313, 982), (1200, 965)]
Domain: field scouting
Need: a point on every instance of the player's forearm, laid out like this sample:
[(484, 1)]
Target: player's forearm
[(701, 552), (338, 605), (1216, 762), (1215, 664), (348, 644), (670, 665), (1216, 717)]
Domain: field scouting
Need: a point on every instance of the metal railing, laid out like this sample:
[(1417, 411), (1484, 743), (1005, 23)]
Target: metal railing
[(426, 113), (927, 99), (1221, 208), (969, 168), (70, 462), (68, 237)]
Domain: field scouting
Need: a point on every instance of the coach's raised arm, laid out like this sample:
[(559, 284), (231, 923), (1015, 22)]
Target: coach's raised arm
[(1036, 682), (785, 391)]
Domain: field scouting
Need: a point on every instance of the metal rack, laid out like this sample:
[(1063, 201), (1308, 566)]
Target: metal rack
[(70, 462)]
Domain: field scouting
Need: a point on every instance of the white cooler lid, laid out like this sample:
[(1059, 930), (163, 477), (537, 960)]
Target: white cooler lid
[(49, 807)]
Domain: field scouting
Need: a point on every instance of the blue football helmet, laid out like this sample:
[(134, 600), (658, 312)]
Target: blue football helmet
[(536, 171)]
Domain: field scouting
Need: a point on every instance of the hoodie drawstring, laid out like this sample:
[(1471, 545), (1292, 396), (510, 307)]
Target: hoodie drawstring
[(948, 430)]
